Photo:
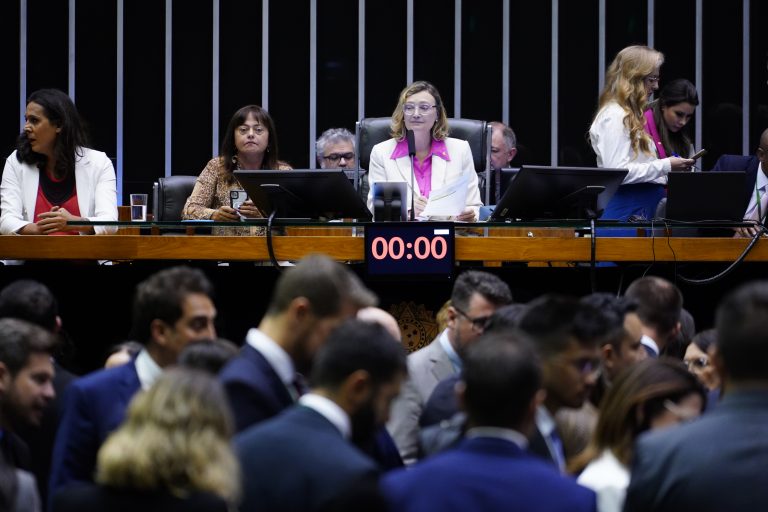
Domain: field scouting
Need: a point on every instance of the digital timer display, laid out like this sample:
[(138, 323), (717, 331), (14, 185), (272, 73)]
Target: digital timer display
[(410, 249)]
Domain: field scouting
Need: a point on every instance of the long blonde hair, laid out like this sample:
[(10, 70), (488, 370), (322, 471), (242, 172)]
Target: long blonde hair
[(176, 437), (624, 84)]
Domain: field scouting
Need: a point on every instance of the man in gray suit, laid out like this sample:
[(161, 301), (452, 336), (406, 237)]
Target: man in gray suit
[(475, 297), (718, 461)]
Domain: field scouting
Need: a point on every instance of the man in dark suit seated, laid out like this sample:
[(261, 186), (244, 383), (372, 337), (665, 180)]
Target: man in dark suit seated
[(718, 461), (503, 151), (304, 459), (756, 169), (491, 470), (171, 309)]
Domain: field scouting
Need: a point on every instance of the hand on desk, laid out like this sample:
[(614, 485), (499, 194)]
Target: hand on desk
[(748, 231), (224, 214), (467, 215), (249, 210), (54, 221)]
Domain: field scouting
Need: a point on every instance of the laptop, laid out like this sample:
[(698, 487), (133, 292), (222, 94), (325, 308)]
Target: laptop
[(706, 196)]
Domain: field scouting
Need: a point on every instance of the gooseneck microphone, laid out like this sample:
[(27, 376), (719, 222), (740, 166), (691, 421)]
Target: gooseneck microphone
[(411, 154)]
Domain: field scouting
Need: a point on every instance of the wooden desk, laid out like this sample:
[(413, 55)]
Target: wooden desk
[(349, 248)]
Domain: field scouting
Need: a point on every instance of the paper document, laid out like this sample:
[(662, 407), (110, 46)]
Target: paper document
[(449, 200)]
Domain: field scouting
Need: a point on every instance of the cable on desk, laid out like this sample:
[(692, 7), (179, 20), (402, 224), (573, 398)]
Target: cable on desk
[(271, 249)]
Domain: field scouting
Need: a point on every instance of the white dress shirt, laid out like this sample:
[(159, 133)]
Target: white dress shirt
[(610, 140), (147, 369), (329, 410), (277, 358), (609, 478), (761, 183)]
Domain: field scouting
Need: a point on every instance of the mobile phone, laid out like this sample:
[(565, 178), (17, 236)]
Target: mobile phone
[(237, 198), (700, 154)]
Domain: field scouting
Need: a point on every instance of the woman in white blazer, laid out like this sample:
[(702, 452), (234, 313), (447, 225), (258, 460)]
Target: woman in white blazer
[(52, 177), (439, 161)]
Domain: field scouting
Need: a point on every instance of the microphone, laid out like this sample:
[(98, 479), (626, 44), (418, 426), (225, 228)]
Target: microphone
[(411, 153)]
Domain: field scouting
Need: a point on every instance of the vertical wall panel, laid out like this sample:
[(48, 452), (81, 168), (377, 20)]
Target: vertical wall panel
[(289, 78), (336, 64), (9, 50), (721, 125), (144, 92), (192, 65), (675, 37), (578, 81), (433, 47), (240, 58), (758, 79), (47, 22), (530, 84), (482, 65), (95, 61), (626, 24), (385, 39)]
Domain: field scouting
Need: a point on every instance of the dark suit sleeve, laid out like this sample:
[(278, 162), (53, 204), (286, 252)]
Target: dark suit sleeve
[(248, 406), (77, 442), (644, 482)]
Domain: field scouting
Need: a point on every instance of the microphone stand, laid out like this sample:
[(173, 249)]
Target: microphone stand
[(412, 154), (413, 191)]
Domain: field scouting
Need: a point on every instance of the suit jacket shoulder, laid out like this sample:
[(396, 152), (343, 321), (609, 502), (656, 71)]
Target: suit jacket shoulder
[(302, 443), (254, 389)]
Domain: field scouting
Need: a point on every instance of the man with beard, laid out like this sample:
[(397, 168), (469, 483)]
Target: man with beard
[(306, 459), (308, 301), (475, 297), (26, 383)]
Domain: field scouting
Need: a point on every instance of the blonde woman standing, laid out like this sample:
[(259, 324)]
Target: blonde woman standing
[(619, 138)]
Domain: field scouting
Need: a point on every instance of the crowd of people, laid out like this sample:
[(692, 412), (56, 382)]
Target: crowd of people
[(561, 403)]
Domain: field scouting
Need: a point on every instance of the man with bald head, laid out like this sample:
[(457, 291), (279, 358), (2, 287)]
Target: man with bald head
[(756, 186)]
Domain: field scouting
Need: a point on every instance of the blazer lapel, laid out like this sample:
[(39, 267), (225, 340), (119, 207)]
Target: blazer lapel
[(438, 172), (82, 168), (30, 185)]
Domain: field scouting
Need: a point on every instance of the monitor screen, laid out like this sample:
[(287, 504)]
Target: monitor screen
[(304, 194), (538, 192)]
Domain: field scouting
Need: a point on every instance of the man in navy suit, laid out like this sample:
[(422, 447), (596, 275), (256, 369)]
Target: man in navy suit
[(718, 461), (308, 301), (491, 470), (304, 459), (756, 169), (171, 309)]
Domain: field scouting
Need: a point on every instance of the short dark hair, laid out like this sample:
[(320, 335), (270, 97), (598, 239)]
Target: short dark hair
[(502, 374), (612, 309), (20, 339), (325, 283), (61, 112), (162, 295), (742, 332), (358, 345), (506, 317), (553, 321), (705, 339), (31, 301), (207, 355), (491, 287), (659, 302)]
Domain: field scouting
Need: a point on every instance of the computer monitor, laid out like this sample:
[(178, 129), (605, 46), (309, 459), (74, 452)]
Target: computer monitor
[(539, 192), (706, 196), (304, 193)]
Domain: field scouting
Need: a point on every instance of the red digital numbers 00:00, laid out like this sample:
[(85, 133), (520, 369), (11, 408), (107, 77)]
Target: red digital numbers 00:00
[(395, 248)]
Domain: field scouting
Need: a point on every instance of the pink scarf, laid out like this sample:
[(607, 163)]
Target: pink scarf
[(650, 127)]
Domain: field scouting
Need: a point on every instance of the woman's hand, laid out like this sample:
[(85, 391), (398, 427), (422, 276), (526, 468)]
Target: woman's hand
[(681, 164), (225, 214), (249, 210), (55, 220), (419, 203), (467, 215)]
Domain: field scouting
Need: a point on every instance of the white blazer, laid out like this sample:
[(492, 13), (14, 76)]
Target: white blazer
[(94, 181), (384, 168)]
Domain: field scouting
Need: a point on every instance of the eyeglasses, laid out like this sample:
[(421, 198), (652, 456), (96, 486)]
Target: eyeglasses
[(652, 78), (478, 324), (336, 157), (245, 129), (409, 109), (699, 363)]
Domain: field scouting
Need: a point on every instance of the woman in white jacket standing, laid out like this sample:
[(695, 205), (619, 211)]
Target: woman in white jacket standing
[(52, 178), (619, 137)]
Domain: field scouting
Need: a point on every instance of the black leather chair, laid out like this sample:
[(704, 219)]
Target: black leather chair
[(169, 196), (369, 132)]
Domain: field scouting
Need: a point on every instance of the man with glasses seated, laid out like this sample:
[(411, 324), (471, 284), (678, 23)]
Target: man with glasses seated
[(476, 295), (335, 149)]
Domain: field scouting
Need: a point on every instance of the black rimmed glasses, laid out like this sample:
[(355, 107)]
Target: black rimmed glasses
[(410, 109), (245, 129), (654, 79), (479, 323), (698, 363), (335, 158)]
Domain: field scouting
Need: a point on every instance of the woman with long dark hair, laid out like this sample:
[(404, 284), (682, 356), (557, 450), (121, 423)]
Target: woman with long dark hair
[(52, 177), (250, 142), (666, 118)]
